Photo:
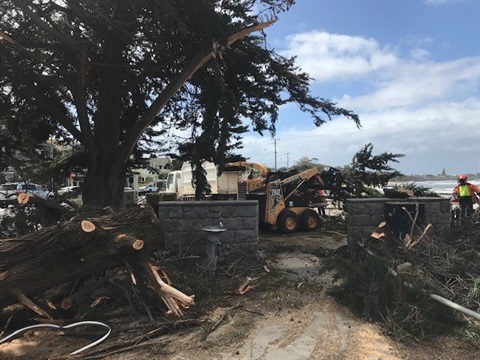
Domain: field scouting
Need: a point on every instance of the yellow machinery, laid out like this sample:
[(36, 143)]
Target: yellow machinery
[(284, 200), (256, 180)]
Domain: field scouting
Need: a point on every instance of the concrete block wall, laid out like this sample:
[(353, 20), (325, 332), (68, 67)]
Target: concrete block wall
[(183, 222), (364, 215)]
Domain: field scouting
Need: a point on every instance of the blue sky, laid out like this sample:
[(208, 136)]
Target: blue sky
[(410, 69)]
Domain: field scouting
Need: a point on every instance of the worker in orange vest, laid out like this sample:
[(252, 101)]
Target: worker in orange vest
[(466, 195)]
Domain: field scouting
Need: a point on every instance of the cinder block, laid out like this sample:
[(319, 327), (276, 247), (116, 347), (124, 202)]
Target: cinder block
[(248, 210), (229, 211), (433, 208), (168, 226), (362, 220), (227, 236), (246, 236), (250, 224), (374, 208), (234, 223), (355, 209)]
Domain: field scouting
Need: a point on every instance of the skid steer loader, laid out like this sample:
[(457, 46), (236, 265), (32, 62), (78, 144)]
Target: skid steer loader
[(285, 200)]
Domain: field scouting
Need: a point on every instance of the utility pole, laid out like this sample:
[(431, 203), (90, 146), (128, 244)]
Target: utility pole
[(287, 159), (275, 151)]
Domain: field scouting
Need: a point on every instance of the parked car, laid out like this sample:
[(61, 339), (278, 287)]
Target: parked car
[(8, 190), (142, 190), (69, 191), (34, 189)]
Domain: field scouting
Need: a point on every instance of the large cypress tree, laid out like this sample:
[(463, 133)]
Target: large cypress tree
[(111, 75)]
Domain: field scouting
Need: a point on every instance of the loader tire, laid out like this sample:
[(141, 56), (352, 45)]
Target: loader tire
[(287, 221), (310, 220)]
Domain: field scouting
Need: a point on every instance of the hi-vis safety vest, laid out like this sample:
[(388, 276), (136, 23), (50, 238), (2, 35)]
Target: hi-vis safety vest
[(463, 190)]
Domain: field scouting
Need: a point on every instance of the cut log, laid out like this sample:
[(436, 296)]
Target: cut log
[(53, 205), (55, 255), (23, 198), (88, 226)]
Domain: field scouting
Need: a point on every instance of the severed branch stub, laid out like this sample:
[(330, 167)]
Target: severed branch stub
[(88, 226), (23, 198), (247, 285), (31, 305), (177, 302), (137, 244)]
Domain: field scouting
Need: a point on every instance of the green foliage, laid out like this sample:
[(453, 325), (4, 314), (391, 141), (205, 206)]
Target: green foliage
[(114, 77), (367, 287), (471, 334), (368, 170), (20, 220), (305, 163), (419, 190), (365, 174)]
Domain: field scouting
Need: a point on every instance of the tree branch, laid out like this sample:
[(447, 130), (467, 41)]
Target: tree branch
[(44, 26), (24, 51), (78, 91), (60, 117), (85, 18), (133, 135), (80, 101)]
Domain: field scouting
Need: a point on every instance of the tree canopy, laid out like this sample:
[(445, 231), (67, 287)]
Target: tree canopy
[(368, 171), (112, 76)]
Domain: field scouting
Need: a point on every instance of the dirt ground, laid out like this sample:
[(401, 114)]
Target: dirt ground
[(288, 315)]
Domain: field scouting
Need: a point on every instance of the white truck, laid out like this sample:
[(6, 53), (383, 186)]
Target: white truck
[(224, 187)]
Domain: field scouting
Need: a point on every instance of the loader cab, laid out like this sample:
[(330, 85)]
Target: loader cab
[(284, 201)]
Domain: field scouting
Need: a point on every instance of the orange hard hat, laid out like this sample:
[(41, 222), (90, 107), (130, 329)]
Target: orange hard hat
[(462, 177)]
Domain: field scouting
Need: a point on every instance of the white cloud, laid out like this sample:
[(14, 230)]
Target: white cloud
[(437, 2), (415, 105), (419, 54), (433, 137), (328, 57), (414, 83)]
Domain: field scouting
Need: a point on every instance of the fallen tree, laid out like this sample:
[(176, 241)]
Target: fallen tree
[(416, 285), (40, 261)]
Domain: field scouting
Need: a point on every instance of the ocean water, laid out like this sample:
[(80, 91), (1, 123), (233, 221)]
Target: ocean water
[(443, 186)]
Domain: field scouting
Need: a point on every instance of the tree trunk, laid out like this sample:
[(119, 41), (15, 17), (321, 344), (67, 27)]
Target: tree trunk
[(105, 183), (37, 262)]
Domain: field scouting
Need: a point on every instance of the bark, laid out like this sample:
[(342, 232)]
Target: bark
[(104, 185), (37, 262)]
